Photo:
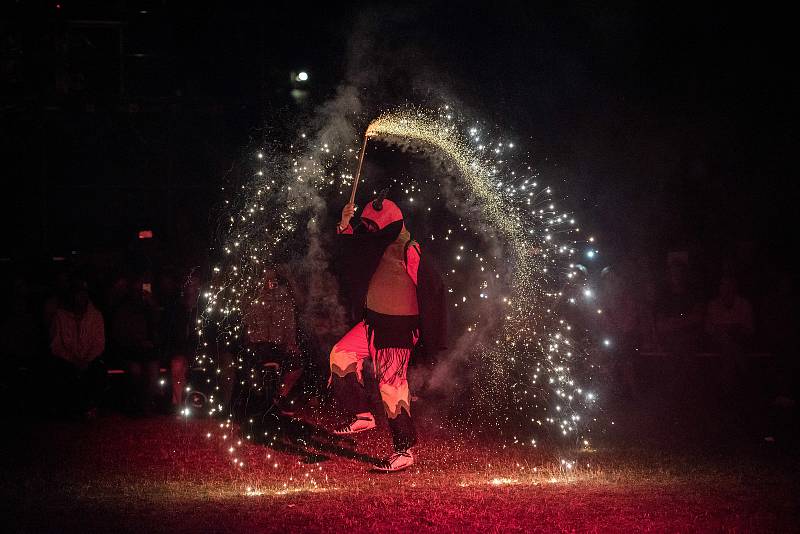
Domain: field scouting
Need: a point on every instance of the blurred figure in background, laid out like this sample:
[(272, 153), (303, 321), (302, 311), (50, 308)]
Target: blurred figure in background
[(679, 315), (648, 307), (178, 329), (77, 339), (778, 316), (679, 325), (271, 336), (620, 320), (730, 327), (134, 334)]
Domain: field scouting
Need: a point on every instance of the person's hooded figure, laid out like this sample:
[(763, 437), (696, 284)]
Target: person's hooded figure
[(397, 300)]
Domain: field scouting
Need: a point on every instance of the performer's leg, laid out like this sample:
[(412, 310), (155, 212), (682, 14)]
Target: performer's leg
[(391, 369), (346, 364)]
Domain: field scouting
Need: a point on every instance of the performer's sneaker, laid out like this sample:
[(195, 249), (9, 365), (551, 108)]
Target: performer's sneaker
[(359, 423), (397, 461)]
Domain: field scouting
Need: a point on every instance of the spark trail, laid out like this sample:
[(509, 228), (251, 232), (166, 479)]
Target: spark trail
[(513, 262)]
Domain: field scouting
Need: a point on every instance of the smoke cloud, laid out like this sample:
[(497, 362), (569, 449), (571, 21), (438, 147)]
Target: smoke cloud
[(382, 73)]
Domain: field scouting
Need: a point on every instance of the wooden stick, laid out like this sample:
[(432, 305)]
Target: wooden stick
[(358, 172)]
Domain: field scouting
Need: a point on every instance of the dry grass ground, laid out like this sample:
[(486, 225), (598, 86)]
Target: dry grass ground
[(121, 475)]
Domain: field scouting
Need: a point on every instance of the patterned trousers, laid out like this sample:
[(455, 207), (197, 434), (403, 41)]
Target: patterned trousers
[(391, 368)]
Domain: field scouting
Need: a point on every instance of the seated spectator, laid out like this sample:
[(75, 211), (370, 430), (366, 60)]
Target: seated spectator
[(729, 319), (272, 335), (729, 327), (620, 322), (134, 336), (647, 305), (77, 339), (679, 325), (778, 321), (679, 316), (179, 317)]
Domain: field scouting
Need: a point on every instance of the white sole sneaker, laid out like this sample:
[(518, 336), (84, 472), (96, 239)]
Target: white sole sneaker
[(357, 426), (396, 462)]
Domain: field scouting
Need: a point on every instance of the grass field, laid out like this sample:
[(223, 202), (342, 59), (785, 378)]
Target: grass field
[(163, 474)]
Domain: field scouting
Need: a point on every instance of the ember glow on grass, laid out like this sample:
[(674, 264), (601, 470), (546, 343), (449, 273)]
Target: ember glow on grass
[(135, 473), (518, 267)]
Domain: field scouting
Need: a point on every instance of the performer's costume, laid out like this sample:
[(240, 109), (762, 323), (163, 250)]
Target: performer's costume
[(398, 299)]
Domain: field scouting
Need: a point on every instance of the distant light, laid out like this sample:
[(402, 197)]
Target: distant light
[(607, 342), (302, 76), (590, 253), (145, 234)]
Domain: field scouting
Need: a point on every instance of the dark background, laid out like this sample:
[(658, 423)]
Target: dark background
[(670, 124)]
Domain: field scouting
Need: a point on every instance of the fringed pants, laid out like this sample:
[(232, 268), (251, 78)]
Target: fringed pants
[(391, 367)]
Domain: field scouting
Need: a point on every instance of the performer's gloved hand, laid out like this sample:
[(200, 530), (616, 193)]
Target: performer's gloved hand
[(347, 213)]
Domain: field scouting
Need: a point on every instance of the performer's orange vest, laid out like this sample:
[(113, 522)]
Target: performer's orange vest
[(391, 290)]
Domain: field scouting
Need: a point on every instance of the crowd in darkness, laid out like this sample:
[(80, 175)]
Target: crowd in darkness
[(84, 326), (71, 328), (676, 330), (118, 330)]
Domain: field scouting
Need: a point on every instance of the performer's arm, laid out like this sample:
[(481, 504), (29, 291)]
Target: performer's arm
[(343, 227), (412, 261)]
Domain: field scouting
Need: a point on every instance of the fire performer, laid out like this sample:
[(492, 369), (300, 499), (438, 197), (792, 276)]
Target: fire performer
[(398, 300)]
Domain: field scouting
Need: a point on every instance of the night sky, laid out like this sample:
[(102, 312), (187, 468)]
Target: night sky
[(671, 124)]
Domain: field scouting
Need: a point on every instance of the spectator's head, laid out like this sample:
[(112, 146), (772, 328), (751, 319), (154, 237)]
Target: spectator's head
[(140, 288), (78, 297), (728, 290), (61, 286), (678, 277), (167, 286)]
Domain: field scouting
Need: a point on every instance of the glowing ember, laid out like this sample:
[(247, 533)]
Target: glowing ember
[(503, 481)]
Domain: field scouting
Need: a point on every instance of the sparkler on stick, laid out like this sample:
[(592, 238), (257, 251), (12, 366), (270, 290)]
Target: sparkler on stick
[(358, 171)]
